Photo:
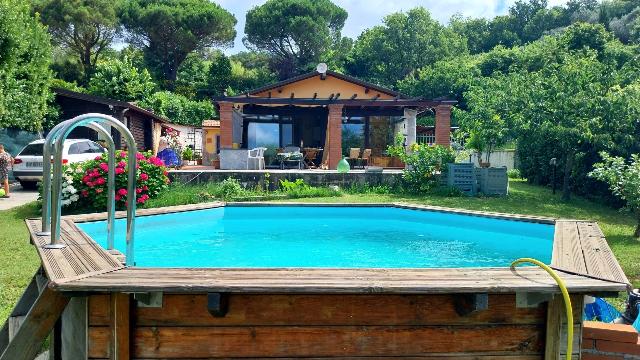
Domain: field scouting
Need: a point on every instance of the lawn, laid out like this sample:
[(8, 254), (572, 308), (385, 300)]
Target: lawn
[(20, 260)]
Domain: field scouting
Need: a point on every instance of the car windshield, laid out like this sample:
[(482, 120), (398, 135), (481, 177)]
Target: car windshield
[(32, 150)]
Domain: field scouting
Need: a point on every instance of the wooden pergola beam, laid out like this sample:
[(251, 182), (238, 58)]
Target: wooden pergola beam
[(423, 103)]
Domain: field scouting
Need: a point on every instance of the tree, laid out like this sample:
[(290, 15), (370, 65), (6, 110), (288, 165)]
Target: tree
[(169, 30), (623, 180), (83, 27), (219, 75), (178, 108), (407, 41), (296, 33), (120, 80), (25, 54)]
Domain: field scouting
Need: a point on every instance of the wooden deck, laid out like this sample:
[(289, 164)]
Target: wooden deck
[(580, 252)]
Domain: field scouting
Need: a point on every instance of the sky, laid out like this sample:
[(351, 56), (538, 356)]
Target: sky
[(364, 14)]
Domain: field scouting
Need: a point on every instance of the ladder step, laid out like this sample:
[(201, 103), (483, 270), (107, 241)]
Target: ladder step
[(36, 325)]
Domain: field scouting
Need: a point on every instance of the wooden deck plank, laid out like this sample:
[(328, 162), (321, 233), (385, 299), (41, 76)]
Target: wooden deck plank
[(567, 248), (82, 257), (414, 281), (599, 259)]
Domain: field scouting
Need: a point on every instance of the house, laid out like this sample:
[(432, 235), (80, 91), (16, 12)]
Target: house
[(327, 111), (145, 126)]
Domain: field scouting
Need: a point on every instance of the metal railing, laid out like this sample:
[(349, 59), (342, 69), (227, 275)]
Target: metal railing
[(54, 145)]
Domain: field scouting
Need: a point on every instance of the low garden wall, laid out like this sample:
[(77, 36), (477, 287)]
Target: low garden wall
[(602, 341), (314, 178)]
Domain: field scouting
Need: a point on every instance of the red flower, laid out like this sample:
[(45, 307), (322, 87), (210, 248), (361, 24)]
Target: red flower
[(144, 177), (104, 166), (145, 188), (89, 184), (122, 164), (123, 154), (138, 191), (165, 173), (118, 197), (86, 179), (139, 156), (100, 181), (99, 190), (84, 193), (122, 192), (98, 158), (119, 170)]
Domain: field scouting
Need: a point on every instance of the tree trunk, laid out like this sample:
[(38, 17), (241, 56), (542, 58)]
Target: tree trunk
[(568, 166)]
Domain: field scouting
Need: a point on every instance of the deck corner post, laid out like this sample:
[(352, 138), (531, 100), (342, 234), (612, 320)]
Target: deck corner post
[(120, 326)]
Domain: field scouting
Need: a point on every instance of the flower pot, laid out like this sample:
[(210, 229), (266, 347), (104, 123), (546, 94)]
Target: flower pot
[(215, 164)]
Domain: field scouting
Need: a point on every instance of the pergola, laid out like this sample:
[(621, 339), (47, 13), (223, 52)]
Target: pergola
[(338, 96)]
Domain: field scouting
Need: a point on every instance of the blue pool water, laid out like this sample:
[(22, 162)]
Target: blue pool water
[(345, 237)]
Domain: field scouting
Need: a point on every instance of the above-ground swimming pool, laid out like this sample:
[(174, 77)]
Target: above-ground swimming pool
[(323, 281), (328, 237)]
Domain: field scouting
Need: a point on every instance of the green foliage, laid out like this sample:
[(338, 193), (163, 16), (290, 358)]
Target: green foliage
[(487, 131), (229, 188), (169, 30), (425, 164), (187, 154), (296, 33), (121, 80), (299, 189), (623, 180), (219, 75), (25, 54), (514, 174), (178, 108), (407, 41), (85, 28), (85, 184)]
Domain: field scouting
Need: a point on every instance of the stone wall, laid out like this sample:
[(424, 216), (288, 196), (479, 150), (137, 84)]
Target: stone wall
[(315, 178)]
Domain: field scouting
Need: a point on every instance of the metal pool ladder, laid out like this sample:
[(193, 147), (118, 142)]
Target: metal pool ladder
[(54, 144)]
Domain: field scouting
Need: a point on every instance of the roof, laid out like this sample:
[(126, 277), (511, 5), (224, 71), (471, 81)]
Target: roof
[(211, 123), (111, 102), (344, 77)]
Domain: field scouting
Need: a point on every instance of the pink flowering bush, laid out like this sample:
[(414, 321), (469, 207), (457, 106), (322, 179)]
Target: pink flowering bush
[(90, 180)]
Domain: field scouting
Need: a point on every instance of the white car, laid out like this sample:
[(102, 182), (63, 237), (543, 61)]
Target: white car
[(27, 165)]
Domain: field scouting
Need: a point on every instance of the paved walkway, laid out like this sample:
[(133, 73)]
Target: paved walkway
[(18, 197)]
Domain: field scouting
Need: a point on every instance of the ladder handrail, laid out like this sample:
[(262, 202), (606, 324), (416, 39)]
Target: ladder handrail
[(61, 133), (46, 180)]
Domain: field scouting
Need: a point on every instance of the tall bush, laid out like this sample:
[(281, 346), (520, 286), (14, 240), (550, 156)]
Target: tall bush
[(85, 183), (623, 179), (425, 164)]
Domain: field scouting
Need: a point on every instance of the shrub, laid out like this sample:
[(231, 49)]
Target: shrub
[(623, 180), (228, 189), (514, 174), (425, 164), (85, 183), (299, 189)]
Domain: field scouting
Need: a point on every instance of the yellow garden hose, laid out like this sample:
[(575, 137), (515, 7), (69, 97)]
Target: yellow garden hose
[(565, 295)]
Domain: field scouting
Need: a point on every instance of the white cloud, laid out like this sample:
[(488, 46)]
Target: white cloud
[(364, 14)]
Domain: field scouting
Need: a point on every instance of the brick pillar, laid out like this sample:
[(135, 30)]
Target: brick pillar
[(334, 135), (443, 125), (226, 125)]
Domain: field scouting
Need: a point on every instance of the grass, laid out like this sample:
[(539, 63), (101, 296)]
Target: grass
[(20, 260)]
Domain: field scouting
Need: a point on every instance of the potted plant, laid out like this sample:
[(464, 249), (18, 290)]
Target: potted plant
[(187, 155), (215, 161), (198, 159)]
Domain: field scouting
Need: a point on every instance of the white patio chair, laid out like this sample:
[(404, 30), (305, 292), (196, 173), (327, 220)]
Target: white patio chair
[(256, 154)]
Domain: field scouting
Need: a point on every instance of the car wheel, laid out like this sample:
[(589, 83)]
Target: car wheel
[(29, 185)]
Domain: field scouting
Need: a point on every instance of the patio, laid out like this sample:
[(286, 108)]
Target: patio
[(323, 114)]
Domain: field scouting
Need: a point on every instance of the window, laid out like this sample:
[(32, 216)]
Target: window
[(263, 135), (353, 133), (33, 150), (85, 147)]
